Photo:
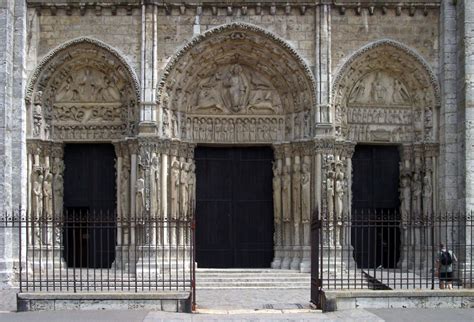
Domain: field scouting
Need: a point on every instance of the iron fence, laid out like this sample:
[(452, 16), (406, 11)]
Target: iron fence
[(82, 251), (378, 249)]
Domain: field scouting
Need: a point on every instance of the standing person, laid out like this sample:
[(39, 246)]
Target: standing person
[(444, 267)]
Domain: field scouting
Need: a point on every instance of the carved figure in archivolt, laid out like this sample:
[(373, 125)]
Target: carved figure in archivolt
[(286, 193), (233, 89), (184, 190), (427, 197), (305, 192), (174, 189), (277, 201)]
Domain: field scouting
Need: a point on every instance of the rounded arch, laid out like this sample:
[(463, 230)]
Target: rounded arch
[(83, 89), (236, 72), (384, 89)]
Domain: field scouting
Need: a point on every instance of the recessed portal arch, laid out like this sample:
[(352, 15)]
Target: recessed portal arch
[(237, 83)]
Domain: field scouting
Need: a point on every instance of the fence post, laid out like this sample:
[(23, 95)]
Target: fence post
[(315, 278)]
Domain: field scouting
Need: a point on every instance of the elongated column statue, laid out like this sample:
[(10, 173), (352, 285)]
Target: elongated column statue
[(277, 236), (339, 193), (296, 192), (330, 206), (58, 193), (37, 191), (286, 202), (48, 208), (154, 196)]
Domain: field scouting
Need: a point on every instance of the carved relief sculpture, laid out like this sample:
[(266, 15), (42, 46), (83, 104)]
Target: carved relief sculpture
[(184, 191), (155, 184), (306, 193), (140, 196), (405, 199), (416, 191), (339, 193), (48, 195), (427, 197), (58, 187), (192, 187), (286, 193), (174, 189), (277, 203), (330, 204)]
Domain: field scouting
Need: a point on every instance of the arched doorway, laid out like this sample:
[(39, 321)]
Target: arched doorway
[(241, 86), (81, 98), (386, 104)]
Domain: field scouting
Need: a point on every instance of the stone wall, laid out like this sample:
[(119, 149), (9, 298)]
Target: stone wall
[(120, 29), (352, 30), (176, 27)]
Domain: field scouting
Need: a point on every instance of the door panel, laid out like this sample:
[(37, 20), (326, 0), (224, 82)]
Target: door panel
[(89, 202), (234, 207), (375, 191)]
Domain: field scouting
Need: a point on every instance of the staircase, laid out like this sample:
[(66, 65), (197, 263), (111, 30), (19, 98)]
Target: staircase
[(207, 278)]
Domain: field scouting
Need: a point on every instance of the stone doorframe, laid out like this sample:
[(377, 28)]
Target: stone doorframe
[(239, 84), (386, 93)]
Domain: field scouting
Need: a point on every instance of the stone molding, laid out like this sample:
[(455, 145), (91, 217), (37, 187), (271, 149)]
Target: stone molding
[(49, 58), (236, 26), (346, 65)]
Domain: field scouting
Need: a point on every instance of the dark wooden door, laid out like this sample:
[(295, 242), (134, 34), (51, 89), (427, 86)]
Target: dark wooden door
[(234, 207), (89, 204), (375, 206)]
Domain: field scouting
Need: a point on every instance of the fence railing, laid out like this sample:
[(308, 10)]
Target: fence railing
[(81, 251), (377, 249)]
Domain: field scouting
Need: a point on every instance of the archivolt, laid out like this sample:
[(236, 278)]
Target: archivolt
[(50, 62), (224, 44)]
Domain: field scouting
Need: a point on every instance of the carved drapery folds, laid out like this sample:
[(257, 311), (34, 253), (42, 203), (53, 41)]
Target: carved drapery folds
[(236, 84), (386, 93), (82, 91), (45, 185), (292, 205)]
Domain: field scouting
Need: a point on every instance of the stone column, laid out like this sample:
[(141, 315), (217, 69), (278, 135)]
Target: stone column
[(406, 220), (133, 146), (277, 207), (306, 208), (296, 207), (149, 71), (286, 207)]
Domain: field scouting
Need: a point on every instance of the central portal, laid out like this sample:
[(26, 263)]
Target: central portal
[(234, 207)]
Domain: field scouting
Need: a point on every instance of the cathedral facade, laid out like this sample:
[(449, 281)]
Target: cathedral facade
[(293, 107)]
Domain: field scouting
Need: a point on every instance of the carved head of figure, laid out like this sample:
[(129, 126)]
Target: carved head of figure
[(286, 170), (276, 169), (175, 165), (305, 168), (192, 167), (296, 167), (155, 161)]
